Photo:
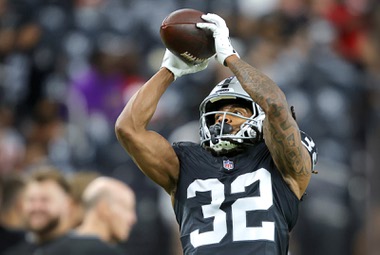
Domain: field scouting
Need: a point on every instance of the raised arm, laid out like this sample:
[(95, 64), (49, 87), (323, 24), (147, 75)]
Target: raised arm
[(281, 132), (152, 153)]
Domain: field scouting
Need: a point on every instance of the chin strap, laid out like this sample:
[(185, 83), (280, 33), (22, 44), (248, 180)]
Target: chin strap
[(222, 145)]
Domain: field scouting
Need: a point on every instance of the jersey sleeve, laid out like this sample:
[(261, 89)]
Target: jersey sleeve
[(177, 146), (309, 144)]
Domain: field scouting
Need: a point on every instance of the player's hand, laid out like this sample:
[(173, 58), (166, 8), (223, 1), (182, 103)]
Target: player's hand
[(179, 67), (221, 34)]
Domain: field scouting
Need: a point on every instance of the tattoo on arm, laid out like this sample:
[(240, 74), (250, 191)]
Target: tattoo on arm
[(283, 132), (288, 153), (259, 86)]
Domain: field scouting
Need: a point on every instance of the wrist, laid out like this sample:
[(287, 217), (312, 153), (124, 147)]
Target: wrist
[(230, 59), (168, 73)]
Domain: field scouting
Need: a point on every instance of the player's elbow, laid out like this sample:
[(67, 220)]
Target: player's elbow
[(123, 130)]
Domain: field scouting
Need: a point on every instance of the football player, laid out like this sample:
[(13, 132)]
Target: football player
[(238, 191)]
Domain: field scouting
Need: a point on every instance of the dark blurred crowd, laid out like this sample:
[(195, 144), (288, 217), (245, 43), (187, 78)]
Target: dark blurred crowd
[(67, 68)]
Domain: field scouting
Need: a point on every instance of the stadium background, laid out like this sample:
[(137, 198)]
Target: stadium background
[(68, 67)]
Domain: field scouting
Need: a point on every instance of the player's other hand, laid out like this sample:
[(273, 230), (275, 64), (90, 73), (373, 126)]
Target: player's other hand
[(179, 67), (221, 34)]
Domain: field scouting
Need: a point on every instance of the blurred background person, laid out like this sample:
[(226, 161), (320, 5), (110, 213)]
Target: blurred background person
[(11, 209), (12, 144), (78, 183), (108, 220), (45, 211)]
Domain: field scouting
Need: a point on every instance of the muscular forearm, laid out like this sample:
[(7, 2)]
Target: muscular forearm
[(141, 107), (151, 152), (280, 129), (259, 86)]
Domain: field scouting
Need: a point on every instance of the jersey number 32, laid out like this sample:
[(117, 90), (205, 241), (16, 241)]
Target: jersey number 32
[(240, 231)]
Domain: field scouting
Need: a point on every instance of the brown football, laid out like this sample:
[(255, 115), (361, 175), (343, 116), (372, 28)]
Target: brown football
[(180, 35)]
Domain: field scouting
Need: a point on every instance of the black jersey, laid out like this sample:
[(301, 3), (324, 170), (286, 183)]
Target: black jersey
[(233, 205)]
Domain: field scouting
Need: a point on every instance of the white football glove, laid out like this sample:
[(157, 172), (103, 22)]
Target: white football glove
[(179, 67), (221, 34)]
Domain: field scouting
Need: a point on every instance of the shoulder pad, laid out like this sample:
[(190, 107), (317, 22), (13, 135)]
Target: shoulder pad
[(308, 142)]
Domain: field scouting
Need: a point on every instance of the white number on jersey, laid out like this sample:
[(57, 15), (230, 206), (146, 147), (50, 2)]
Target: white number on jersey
[(240, 207)]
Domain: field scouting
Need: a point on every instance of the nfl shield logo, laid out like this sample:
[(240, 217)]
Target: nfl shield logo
[(228, 164)]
